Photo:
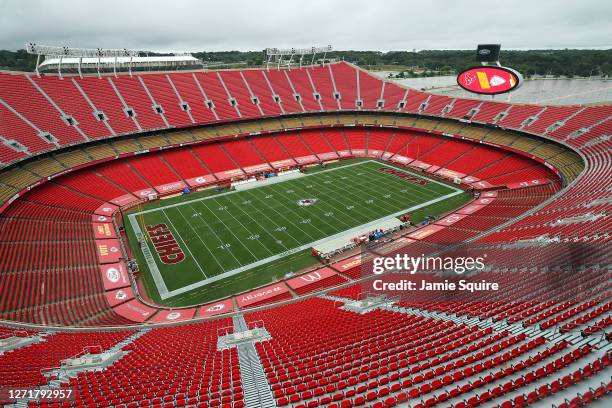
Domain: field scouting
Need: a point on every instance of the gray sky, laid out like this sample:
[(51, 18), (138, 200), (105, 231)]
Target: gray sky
[(198, 25)]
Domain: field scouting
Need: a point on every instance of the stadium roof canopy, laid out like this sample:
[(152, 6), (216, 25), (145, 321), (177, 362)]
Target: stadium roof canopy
[(99, 59), (119, 62)]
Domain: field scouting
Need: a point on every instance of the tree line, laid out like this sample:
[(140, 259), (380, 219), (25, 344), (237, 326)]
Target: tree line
[(567, 62)]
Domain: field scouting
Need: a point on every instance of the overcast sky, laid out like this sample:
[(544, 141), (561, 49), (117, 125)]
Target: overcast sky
[(201, 25)]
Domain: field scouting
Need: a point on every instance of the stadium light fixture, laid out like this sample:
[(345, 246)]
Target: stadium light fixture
[(276, 55)]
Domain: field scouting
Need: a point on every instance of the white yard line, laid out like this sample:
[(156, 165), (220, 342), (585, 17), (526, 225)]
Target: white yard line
[(202, 241), (423, 194), (231, 232), (322, 202), (276, 240), (273, 208), (365, 185), (181, 238), (250, 232), (298, 216), (347, 192)]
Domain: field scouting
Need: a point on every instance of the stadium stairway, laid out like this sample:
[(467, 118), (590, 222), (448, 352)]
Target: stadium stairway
[(256, 390), (240, 324), (255, 385)]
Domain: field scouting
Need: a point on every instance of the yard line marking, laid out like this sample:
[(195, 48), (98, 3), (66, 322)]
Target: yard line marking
[(247, 230), (290, 207), (200, 238), (428, 193), (185, 245), (213, 233), (262, 228), (332, 208), (416, 194), (380, 194), (291, 222), (365, 184), (298, 184), (231, 232), (342, 203), (278, 189)]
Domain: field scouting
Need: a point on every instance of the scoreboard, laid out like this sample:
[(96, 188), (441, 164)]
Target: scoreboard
[(489, 80)]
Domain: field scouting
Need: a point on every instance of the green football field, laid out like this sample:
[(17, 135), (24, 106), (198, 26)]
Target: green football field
[(244, 238)]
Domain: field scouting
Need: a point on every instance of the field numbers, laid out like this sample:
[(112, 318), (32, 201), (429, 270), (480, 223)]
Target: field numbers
[(280, 229), (246, 202), (370, 201), (387, 196), (253, 237), (222, 208), (329, 214), (198, 214), (350, 207), (225, 246), (305, 221)]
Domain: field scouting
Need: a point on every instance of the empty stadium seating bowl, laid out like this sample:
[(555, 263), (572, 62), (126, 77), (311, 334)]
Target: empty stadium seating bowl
[(77, 151)]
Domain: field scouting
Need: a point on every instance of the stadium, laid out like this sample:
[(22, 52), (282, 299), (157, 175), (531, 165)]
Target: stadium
[(178, 235)]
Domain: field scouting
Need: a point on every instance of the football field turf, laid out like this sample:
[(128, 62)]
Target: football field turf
[(225, 235)]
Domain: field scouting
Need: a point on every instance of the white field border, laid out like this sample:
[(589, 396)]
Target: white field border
[(159, 280)]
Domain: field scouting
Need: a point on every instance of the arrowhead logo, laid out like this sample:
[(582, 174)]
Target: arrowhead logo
[(497, 80)]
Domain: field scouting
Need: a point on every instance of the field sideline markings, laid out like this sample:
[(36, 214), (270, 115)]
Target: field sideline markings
[(298, 185), (380, 195), (160, 283), (200, 238), (324, 221), (415, 191), (333, 197), (301, 248), (299, 217), (247, 230), (239, 191), (396, 167)]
